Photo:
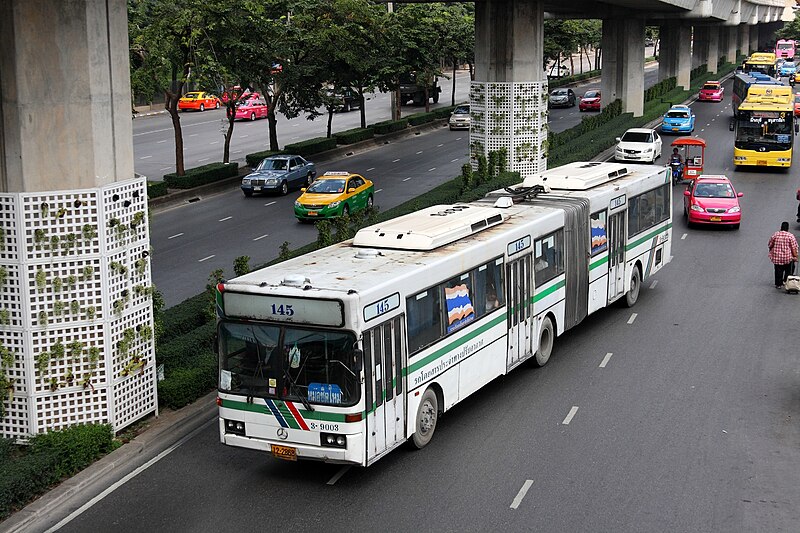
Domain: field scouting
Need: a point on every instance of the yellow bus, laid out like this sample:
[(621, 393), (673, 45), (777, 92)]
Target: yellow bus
[(763, 62), (764, 127)]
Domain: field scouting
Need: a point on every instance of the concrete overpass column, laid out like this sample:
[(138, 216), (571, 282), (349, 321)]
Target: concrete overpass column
[(70, 207), (509, 95), (623, 63), (668, 50), (684, 67), (700, 36), (729, 35), (754, 42), (712, 51), (744, 40)]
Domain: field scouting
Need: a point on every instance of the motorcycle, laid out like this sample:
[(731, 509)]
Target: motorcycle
[(677, 171)]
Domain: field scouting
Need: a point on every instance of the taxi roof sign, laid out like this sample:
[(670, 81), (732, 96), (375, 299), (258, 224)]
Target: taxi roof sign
[(337, 173)]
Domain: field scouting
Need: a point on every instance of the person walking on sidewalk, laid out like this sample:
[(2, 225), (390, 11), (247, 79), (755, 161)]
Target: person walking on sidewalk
[(782, 253)]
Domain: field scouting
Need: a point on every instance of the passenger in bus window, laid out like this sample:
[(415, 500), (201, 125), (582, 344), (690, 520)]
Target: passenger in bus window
[(540, 263), (491, 297)]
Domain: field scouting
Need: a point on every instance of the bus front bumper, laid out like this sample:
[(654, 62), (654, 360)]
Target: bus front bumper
[(762, 160), (353, 454)]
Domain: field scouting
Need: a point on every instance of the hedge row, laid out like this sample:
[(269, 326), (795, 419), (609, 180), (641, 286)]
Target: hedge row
[(156, 189), (256, 157), (389, 126), (195, 177), (421, 118), (354, 135), (659, 89), (587, 125), (50, 458), (184, 385), (311, 146), (569, 80), (180, 351), (185, 317)]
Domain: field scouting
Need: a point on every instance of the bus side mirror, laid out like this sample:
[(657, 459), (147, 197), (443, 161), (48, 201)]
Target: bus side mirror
[(358, 360), (797, 128)]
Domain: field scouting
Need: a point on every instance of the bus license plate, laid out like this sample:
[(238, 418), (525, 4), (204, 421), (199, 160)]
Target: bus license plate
[(716, 219), (287, 453), (761, 162)]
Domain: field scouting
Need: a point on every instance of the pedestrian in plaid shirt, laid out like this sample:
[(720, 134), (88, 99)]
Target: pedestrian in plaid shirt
[(782, 253)]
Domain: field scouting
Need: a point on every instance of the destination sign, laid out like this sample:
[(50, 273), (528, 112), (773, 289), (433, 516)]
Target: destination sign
[(283, 309)]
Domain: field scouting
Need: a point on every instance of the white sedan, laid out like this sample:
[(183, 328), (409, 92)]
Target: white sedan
[(638, 144)]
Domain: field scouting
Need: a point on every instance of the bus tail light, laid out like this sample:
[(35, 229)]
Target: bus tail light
[(219, 401), (353, 418)]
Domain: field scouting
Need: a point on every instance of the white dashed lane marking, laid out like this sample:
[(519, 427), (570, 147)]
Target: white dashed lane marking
[(262, 237), (175, 236), (224, 219), (632, 318), (454, 160), (159, 142), (653, 285), (395, 161), (605, 360), (379, 190), (521, 494), (205, 258), (146, 157), (204, 159), (406, 179), (570, 415), (373, 168), (269, 204), (431, 169), (683, 237), (419, 152)]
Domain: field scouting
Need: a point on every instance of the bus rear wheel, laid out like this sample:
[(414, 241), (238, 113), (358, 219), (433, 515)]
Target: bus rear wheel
[(427, 416), (546, 341)]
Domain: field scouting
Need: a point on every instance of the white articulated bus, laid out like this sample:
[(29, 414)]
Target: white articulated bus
[(343, 354)]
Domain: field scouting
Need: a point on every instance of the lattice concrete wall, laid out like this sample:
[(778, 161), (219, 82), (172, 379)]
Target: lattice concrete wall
[(76, 322), (510, 115)]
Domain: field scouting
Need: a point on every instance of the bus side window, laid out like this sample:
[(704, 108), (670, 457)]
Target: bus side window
[(424, 319)]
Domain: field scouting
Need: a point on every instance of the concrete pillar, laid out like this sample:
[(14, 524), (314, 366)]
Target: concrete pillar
[(668, 55), (684, 66), (728, 36), (66, 101), (509, 95), (700, 36), (755, 44), (712, 56), (623, 63), (75, 242), (744, 40)]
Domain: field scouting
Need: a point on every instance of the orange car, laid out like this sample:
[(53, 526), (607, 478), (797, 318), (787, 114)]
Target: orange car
[(199, 101)]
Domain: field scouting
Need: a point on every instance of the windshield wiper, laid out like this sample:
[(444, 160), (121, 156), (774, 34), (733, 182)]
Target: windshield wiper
[(293, 390)]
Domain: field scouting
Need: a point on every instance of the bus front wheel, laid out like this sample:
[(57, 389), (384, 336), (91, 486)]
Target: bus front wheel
[(427, 416), (546, 341), (632, 296)]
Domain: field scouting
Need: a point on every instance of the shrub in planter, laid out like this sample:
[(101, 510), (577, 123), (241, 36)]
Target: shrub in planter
[(156, 189), (183, 386), (311, 146), (389, 126), (187, 316), (195, 177), (444, 112), (354, 135), (256, 157), (180, 351)]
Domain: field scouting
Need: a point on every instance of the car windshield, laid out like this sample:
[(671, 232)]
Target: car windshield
[(677, 114), (713, 190), (710, 87), (591, 94), (636, 137), (288, 362), (323, 186), (462, 110), (274, 164), (788, 65), (559, 92), (785, 46)]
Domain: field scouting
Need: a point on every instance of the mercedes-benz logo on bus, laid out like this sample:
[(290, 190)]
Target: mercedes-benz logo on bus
[(282, 433)]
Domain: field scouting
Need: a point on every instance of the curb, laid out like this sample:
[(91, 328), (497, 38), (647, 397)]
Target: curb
[(162, 432), (196, 194)]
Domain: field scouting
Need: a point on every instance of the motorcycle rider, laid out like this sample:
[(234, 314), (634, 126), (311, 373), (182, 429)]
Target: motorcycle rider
[(676, 158)]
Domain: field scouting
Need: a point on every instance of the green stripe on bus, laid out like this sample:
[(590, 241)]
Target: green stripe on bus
[(647, 237), (287, 415), (548, 291), (455, 344), (599, 262), (263, 409)]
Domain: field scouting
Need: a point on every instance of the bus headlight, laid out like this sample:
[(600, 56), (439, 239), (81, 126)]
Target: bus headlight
[(332, 440), (734, 209), (235, 427), (697, 208)]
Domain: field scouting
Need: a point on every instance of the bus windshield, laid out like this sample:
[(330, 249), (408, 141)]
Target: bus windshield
[(771, 130), (288, 363)]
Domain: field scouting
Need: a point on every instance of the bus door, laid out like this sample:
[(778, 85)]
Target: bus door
[(384, 356), (520, 312), (616, 255)]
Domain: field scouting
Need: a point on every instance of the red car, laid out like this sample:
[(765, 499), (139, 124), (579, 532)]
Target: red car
[(712, 91), (590, 101), (251, 107), (797, 105), (712, 200), (198, 101)]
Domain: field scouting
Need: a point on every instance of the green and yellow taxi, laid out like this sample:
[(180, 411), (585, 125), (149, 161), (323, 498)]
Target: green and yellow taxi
[(334, 194)]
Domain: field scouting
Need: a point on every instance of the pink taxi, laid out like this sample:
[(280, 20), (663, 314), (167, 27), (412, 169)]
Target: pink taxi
[(251, 107), (712, 200)]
